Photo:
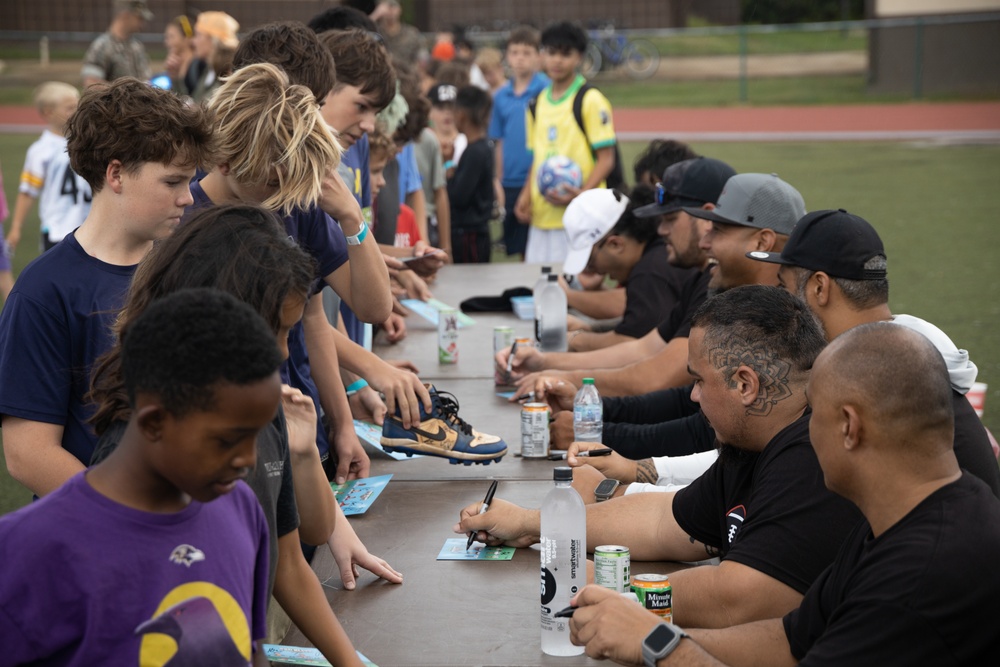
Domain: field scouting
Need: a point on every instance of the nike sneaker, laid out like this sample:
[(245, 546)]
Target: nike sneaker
[(442, 433)]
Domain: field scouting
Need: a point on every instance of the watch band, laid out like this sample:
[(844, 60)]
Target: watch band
[(601, 497), (652, 654)]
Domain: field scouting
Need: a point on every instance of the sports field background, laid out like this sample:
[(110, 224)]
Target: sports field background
[(935, 206)]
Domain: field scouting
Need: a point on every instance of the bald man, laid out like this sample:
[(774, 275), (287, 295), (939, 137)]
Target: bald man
[(762, 508), (915, 583)]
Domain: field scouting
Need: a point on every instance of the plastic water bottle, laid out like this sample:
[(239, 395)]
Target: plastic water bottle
[(552, 323), (536, 295), (588, 413), (564, 560)]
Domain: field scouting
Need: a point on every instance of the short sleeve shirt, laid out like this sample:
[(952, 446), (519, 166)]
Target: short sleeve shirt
[(427, 151), (55, 324), (694, 291), (353, 168), (923, 592), (507, 125), (652, 290), (409, 174), (770, 511), (554, 131), (109, 58), (63, 196)]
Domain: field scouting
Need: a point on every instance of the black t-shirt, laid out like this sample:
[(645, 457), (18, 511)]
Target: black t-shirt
[(693, 293), (653, 288), (470, 190), (922, 593), (770, 511), (972, 445), (387, 205)]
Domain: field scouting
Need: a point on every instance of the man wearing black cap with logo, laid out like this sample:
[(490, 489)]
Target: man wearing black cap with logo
[(117, 52), (660, 356), (836, 263)]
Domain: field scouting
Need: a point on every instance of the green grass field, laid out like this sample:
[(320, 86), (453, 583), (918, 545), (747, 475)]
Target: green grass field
[(934, 206)]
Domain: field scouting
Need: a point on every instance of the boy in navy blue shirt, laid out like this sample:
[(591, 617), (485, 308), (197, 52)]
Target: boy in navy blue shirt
[(138, 148), (513, 161)]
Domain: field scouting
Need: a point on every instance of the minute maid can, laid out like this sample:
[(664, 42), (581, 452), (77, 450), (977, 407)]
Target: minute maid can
[(655, 594)]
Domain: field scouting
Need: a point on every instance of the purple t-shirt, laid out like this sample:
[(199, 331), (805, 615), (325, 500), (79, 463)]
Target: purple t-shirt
[(52, 328), (321, 237), (87, 581)]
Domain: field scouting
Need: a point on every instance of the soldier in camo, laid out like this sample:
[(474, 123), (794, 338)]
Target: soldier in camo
[(117, 52)]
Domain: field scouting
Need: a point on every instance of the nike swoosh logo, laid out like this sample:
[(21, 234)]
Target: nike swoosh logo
[(439, 436)]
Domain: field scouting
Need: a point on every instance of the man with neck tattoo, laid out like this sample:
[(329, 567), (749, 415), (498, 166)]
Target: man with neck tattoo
[(914, 583), (762, 507)]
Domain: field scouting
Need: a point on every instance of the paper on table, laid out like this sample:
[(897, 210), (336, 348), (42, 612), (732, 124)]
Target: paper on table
[(430, 309), (357, 495), (454, 549), (300, 655), (371, 435)]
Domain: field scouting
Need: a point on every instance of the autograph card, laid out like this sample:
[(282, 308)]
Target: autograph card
[(357, 495), (300, 655), (454, 549)]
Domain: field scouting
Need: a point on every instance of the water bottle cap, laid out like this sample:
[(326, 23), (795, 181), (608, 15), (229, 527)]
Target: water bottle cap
[(588, 380), (553, 278), (562, 474), (546, 269)]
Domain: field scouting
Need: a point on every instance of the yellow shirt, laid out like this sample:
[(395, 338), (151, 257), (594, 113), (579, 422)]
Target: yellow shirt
[(554, 131)]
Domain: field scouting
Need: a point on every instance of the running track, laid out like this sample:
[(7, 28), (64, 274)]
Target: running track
[(964, 121)]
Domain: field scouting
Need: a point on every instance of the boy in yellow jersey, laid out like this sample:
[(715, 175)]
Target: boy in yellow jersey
[(585, 135)]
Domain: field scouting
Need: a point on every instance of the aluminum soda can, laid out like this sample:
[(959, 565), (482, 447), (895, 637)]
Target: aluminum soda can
[(655, 594), (503, 338), (448, 336), (535, 431), (611, 568)]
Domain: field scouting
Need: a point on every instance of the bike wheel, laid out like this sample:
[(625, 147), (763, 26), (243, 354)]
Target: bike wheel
[(592, 61), (641, 58)]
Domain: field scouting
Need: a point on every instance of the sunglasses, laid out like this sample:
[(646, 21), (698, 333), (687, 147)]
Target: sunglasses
[(664, 196)]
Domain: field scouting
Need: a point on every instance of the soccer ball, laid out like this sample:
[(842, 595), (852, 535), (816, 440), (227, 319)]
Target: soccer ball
[(556, 173)]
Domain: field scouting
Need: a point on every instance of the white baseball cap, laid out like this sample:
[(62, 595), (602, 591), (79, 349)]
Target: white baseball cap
[(590, 216)]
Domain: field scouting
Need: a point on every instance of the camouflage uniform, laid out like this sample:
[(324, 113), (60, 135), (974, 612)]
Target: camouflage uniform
[(110, 59)]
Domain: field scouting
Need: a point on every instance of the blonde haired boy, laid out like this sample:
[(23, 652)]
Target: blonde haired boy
[(63, 196)]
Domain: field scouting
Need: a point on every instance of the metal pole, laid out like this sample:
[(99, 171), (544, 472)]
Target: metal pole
[(743, 64), (43, 51), (918, 60)]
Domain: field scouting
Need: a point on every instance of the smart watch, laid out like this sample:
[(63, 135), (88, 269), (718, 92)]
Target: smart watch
[(661, 642), (606, 489)]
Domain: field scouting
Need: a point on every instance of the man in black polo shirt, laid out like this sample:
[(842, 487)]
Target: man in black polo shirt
[(762, 507), (915, 583)]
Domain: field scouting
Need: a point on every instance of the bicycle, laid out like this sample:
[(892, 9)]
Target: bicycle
[(611, 49)]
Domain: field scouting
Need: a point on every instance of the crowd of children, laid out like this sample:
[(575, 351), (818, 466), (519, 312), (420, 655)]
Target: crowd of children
[(216, 259)]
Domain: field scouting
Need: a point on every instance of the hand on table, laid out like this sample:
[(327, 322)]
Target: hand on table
[(504, 523), (552, 387), (614, 465), (414, 285), (527, 359), (561, 433), (350, 554), (367, 405), (395, 328), (610, 626)]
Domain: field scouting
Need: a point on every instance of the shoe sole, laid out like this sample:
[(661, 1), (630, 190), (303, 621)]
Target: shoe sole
[(410, 448)]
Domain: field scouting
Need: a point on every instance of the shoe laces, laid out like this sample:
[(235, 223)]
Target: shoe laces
[(448, 405)]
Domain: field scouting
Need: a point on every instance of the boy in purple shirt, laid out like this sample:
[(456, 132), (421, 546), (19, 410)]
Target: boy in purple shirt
[(183, 544)]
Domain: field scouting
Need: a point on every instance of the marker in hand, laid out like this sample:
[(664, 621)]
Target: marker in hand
[(595, 452), (482, 510), (510, 359)]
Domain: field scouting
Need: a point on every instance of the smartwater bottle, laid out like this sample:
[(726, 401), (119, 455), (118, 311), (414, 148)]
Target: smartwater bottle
[(588, 413), (564, 560), (536, 295), (552, 323)]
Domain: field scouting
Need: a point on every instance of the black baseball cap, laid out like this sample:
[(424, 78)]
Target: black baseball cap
[(442, 93), (693, 182), (835, 242)]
